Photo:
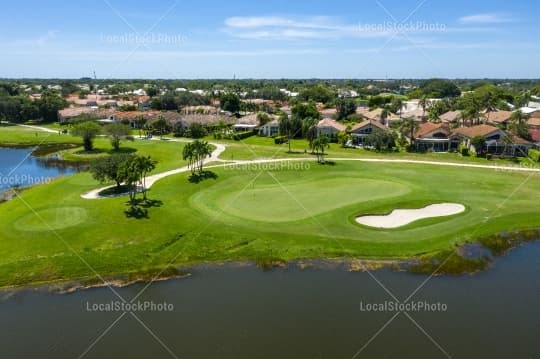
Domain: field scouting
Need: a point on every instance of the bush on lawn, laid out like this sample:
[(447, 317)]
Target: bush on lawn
[(535, 155), (279, 140)]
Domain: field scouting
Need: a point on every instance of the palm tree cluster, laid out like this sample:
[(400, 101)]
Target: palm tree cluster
[(196, 152)]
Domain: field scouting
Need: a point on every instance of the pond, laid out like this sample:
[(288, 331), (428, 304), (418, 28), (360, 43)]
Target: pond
[(244, 312), (19, 168)]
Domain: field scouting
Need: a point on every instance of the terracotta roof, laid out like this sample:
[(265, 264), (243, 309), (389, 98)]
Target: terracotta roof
[(480, 130), (367, 123), (450, 116), (207, 119), (328, 112), (71, 112), (499, 116), (374, 115), (429, 127), (248, 120), (534, 121), (535, 134), (328, 122), (518, 140)]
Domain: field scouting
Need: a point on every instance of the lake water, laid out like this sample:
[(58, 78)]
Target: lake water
[(243, 312), (19, 168)]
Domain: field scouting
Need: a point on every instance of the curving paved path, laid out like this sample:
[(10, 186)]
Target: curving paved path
[(150, 180)]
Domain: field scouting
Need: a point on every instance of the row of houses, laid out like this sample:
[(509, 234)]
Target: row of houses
[(439, 137)]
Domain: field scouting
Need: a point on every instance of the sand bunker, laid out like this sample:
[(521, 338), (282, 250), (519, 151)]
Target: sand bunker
[(402, 217)]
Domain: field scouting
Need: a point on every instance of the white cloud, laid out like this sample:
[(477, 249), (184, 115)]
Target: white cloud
[(486, 18), (290, 28)]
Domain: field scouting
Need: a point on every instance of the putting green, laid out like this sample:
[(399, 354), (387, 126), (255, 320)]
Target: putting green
[(51, 219), (288, 199)]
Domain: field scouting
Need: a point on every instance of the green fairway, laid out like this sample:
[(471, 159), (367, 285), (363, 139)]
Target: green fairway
[(245, 214), (301, 198)]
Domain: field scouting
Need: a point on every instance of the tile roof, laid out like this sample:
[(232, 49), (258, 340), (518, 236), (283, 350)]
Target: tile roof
[(450, 116), (367, 123), (480, 130), (499, 116), (328, 122), (429, 127)]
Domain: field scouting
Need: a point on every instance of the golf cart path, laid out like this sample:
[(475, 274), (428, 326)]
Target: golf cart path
[(39, 128), (150, 180)]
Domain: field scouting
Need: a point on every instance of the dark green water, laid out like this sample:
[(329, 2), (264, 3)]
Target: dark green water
[(246, 313)]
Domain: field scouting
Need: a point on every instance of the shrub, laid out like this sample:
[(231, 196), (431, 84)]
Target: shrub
[(535, 155), (243, 135), (279, 140)]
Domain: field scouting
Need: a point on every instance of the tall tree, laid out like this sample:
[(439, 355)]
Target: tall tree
[(320, 144), (117, 132), (408, 127), (87, 131)]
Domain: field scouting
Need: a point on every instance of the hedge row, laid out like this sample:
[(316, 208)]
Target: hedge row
[(279, 140), (243, 135)]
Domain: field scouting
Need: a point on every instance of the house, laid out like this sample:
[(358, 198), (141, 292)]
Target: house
[(489, 133), (361, 131), (498, 118), (451, 117), (497, 141), (435, 137), (246, 123), (328, 112), (418, 115), (329, 127), (534, 123), (269, 129)]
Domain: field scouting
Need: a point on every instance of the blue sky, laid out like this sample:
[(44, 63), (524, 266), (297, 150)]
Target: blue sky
[(272, 39)]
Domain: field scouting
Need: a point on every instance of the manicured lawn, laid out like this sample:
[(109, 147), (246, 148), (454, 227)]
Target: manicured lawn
[(246, 214)]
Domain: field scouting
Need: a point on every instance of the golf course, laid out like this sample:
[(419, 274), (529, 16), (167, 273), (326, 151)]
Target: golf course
[(251, 211)]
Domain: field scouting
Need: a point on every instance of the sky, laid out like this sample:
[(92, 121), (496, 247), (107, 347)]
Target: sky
[(187, 39)]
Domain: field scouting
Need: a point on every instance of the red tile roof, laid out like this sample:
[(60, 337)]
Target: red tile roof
[(328, 122), (499, 116), (480, 130), (429, 127), (367, 123)]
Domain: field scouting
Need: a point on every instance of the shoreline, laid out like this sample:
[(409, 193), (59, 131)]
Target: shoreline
[(411, 266)]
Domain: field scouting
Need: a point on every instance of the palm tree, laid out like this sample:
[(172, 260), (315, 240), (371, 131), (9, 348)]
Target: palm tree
[(424, 103), (519, 117), (433, 115), (320, 144), (140, 122), (309, 129), (285, 127), (145, 165), (384, 116), (409, 126)]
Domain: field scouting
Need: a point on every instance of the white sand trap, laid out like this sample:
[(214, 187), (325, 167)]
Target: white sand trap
[(402, 217)]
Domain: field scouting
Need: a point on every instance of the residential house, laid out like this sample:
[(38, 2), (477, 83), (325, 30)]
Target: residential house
[(361, 131), (435, 137), (329, 127), (269, 129), (498, 118), (534, 128), (497, 141), (451, 117)]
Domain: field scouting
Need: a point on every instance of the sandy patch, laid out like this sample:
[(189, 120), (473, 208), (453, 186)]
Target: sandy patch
[(402, 217)]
